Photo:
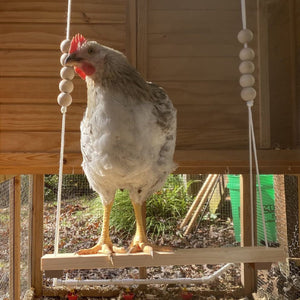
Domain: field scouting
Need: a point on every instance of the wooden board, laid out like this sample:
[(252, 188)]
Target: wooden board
[(179, 257), (189, 162), (39, 11)]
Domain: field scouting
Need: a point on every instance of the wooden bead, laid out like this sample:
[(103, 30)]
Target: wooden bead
[(66, 86), (67, 73), (64, 99), (247, 54), (246, 67), (247, 80), (64, 46), (63, 58), (245, 36), (248, 93)]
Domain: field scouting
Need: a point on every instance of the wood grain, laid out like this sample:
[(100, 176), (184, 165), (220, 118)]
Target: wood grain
[(178, 257), (198, 21), (30, 36), (39, 11), (227, 5), (37, 233), (193, 68), (189, 162)]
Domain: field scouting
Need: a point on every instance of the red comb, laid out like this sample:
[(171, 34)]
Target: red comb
[(76, 42)]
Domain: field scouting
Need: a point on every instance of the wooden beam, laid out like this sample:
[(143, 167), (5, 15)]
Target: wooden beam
[(37, 235), (196, 201), (263, 82), (131, 34), (15, 238), (248, 270), (142, 37), (195, 161), (201, 203), (178, 257)]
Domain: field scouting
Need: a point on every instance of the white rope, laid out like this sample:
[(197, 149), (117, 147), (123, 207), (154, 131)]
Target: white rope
[(251, 173), (253, 152), (68, 20), (257, 175), (244, 17), (60, 176), (62, 147)]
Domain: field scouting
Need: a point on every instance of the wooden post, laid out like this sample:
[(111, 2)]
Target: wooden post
[(37, 233), (248, 270), (14, 238)]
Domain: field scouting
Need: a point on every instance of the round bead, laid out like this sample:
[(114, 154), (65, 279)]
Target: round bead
[(246, 67), (245, 36), (66, 86), (64, 46), (248, 94), (247, 80), (63, 58), (67, 73), (64, 99), (247, 54)]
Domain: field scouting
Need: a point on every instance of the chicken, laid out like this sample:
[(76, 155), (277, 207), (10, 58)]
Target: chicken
[(128, 135)]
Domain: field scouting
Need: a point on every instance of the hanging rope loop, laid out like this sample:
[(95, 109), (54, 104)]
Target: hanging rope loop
[(64, 99), (248, 94)]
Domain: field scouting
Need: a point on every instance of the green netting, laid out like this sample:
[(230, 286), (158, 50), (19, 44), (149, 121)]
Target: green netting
[(268, 204)]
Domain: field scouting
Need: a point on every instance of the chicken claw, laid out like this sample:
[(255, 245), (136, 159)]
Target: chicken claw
[(101, 249)]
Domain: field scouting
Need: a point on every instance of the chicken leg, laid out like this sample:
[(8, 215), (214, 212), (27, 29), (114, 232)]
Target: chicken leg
[(104, 244), (140, 242)]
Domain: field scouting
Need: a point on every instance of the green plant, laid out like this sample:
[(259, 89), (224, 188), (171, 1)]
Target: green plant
[(164, 209)]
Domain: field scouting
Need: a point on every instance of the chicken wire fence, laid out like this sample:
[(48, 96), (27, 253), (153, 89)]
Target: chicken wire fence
[(6, 198), (217, 225)]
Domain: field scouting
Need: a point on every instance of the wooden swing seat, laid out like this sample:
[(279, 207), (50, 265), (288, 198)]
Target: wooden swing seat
[(193, 256)]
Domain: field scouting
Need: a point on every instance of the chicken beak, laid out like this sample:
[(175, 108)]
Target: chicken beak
[(72, 59)]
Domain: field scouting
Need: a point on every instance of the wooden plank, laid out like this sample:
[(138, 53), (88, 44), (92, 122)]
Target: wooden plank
[(198, 21), (5, 178), (131, 32), (201, 203), (45, 90), (248, 270), (48, 36), (15, 239), (178, 257), (42, 117), (142, 37), (193, 69), (39, 11), (199, 4), (196, 161), (48, 142), (37, 234), (187, 44), (263, 75), (196, 201), (281, 110), (27, 117), (182, 93)]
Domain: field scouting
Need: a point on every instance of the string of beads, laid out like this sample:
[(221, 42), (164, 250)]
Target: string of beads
[(66, 86), (247, 66)]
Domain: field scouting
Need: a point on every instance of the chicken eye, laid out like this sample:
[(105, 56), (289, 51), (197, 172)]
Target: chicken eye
[(90, 51)]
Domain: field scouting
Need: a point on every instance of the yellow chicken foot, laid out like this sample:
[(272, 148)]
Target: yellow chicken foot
[(140, 242), (104, 246)]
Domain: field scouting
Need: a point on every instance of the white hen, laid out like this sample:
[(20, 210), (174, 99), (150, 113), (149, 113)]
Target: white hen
[(128, 134)]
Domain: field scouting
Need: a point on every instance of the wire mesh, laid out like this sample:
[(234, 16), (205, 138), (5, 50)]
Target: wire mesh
[(4, 239), (6, 195), (282, 280)]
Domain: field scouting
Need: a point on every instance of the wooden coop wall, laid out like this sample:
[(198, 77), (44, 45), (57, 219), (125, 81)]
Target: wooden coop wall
[(188, 47)]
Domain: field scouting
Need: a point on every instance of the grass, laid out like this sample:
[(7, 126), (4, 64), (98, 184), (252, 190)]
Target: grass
[(164, 209)]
